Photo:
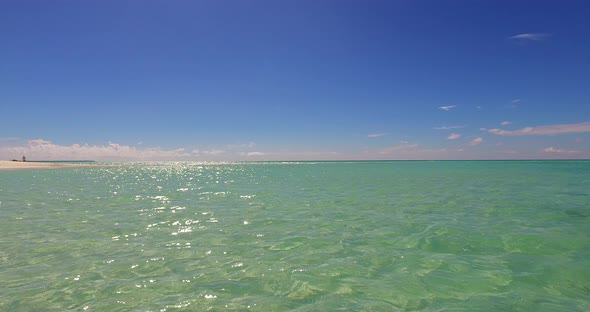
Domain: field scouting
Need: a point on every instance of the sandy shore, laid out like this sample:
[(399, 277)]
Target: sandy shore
[(18, 165)]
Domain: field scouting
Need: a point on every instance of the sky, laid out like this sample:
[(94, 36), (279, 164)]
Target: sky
[(232, 80)]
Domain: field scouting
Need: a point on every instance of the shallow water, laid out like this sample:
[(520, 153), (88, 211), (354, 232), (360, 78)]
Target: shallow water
[(323, 236)]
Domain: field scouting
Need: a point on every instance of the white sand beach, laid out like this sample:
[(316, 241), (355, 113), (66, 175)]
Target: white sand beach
[(21, 165)]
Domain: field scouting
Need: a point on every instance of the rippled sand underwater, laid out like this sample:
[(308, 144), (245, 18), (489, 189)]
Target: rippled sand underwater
[(310, 236)]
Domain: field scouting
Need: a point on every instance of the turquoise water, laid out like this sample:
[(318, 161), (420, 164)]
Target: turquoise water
[(325, 236)]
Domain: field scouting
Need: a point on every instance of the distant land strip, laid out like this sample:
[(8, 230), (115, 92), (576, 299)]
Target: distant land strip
[(22, 165)]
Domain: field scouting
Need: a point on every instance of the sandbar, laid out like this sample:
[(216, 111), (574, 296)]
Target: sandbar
[(22, 165)]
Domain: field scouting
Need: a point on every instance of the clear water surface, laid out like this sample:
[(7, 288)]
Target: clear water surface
[(310, 236)]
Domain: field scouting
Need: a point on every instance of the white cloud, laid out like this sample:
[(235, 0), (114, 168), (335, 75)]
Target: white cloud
[(530, 36), (41, 142), (476, 141), (453, 136), (213, 152), (448, 127), (447, 108), (40, 149), (545, 130), (505, 123), (375, 135), (250, 154), (515, 101), (483, 129), (198, 152), (559, 151), (248, 145)]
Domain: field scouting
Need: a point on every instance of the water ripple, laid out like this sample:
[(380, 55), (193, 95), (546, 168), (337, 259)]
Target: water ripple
[(360, 236)]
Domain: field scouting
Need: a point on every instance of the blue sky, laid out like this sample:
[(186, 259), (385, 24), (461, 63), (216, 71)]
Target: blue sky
[(272, 80)]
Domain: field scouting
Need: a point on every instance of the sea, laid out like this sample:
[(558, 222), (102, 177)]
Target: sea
[(297, 236)]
